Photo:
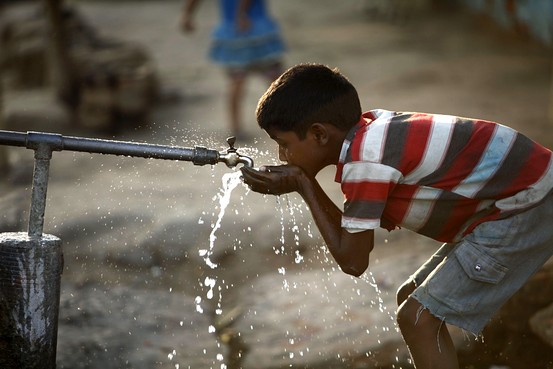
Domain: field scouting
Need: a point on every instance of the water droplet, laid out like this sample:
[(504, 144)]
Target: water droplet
[(298, 258)]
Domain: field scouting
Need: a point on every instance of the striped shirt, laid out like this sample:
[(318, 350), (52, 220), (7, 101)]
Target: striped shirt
[(437, 175)]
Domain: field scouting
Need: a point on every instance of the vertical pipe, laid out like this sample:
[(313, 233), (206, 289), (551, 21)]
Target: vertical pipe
[(43, 154), (3, 150), (30, 273)]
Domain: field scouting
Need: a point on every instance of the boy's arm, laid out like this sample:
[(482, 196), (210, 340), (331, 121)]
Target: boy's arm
[(350, 250)]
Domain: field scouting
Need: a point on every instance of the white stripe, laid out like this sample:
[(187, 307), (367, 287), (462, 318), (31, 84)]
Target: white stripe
[(373, 172), (491, 160), (356, 224), (373, 144), (382, 114), (436, 148), (420, 208)]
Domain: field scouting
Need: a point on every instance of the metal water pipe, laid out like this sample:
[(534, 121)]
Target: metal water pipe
[(31, 263)]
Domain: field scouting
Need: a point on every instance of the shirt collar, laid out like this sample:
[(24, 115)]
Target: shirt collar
[(365, 120)]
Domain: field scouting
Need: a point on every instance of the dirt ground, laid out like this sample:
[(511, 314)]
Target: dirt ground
[(443, 61)]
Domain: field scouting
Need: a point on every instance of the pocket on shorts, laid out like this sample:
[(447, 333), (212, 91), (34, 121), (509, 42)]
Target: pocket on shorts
[(465, 281), (480, 266)]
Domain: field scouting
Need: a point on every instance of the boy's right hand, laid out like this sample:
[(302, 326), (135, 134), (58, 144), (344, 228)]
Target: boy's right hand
[(274, 180)]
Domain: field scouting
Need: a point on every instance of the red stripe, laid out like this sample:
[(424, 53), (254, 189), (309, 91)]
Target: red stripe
[(420, 126), (369, 191), (355, 146), (469, 157), (532, 170), (398, 202)]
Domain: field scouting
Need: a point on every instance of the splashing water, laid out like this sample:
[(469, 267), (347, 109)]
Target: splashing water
[(369, 278), (230, 181), (286, 210)]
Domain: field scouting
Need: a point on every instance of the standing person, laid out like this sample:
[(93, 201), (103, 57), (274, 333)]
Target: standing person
[(480, 187), (247, 40)]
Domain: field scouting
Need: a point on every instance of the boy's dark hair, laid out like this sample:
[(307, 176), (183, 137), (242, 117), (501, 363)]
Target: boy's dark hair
[(307, 94)]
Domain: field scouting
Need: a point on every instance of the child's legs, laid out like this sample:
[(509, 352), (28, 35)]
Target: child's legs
[(426, 336), (235, 96), (272, 71), (237, 81)]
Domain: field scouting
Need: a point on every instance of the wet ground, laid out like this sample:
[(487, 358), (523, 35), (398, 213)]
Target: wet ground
[(138, 223)]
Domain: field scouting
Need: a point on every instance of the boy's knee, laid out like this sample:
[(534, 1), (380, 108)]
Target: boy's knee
[(404, 291), (414, 319), (407, 314)]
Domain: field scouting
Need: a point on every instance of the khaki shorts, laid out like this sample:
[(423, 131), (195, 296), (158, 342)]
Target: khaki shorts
[(464, 284)]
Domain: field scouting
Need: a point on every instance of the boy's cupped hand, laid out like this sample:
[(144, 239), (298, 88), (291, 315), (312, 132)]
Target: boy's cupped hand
[(273, 180)]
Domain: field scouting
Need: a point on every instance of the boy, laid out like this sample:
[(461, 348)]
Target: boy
[(480, 187)]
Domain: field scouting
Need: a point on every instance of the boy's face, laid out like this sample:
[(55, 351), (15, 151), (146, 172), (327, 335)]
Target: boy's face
[(302, 153)]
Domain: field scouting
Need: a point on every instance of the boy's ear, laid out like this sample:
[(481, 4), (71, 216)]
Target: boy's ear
[(320, 133)]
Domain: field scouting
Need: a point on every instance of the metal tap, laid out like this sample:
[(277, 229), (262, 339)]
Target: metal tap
[(44, 144), (232, 158), (198, 155)]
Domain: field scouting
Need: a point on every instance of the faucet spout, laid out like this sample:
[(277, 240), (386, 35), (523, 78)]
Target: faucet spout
[(246, 161), (232, 158)]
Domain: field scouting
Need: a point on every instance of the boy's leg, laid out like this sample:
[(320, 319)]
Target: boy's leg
[(405, 291), (426, 336)]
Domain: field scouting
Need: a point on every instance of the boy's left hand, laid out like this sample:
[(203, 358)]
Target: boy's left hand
[(273, 180)]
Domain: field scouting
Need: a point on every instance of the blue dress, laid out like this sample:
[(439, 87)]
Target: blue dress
[(259, 44)]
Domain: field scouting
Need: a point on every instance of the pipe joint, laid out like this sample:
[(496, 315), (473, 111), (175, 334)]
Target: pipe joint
[(36, 140)]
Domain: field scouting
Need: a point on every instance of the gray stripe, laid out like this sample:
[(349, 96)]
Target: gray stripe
[(513, 163), (440, 214), (396, 137), (364, 209)]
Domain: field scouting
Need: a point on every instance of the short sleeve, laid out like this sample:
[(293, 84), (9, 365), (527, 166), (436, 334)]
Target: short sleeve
[(366, 187)]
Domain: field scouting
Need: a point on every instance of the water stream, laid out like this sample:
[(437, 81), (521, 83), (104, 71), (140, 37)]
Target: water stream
[(230, 181), (213, 288)]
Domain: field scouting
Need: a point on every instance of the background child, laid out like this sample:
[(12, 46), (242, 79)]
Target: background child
[(480, 187), (247, 40)]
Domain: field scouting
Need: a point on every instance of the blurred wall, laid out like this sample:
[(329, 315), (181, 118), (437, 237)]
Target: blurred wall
[(534, 17)]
